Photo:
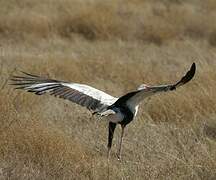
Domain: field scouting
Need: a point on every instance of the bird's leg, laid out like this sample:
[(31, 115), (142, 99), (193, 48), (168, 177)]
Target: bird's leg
[(112, 127), (120, 143)]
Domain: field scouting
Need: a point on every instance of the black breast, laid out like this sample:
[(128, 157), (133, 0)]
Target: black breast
[(128, 115), (121, 104)]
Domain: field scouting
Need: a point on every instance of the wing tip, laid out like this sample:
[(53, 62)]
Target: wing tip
[(193, 67), (185, 79), (190, 74), (192, 71)]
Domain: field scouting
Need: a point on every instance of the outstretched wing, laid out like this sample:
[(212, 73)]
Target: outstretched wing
[(82, 94), (135, 97)]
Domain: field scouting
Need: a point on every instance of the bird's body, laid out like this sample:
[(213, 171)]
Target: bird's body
[(121, 115), (120, 110)]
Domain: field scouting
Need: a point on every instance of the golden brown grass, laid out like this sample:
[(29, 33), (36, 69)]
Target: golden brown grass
[(113, 46)]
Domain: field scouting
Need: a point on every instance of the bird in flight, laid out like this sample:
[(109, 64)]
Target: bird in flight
[(121, 110)]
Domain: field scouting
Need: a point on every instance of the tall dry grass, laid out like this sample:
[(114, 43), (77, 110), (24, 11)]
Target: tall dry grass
[(149, 21), (114, 46)]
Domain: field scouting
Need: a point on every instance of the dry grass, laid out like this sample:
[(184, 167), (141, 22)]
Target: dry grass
[(113, 46), (148, 21)]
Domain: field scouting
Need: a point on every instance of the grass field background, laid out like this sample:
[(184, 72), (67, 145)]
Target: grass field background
[(114, 46)]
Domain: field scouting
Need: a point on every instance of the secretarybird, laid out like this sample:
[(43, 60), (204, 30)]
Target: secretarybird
[(120, 110)]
